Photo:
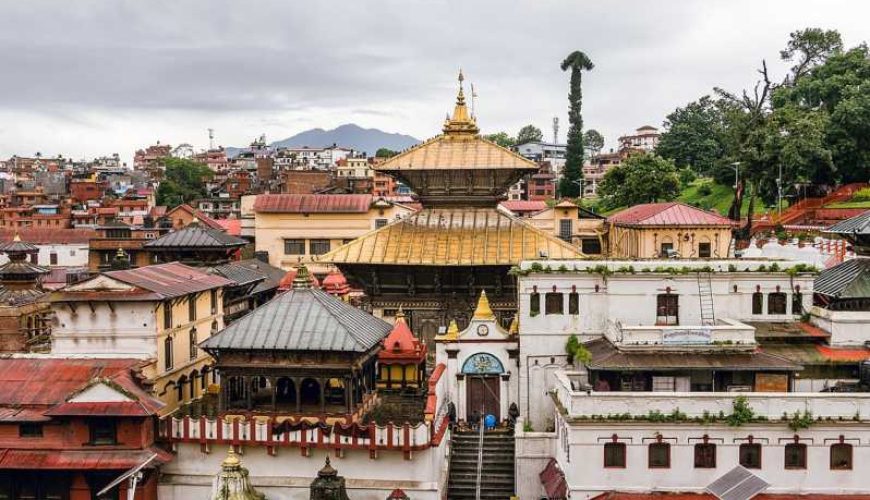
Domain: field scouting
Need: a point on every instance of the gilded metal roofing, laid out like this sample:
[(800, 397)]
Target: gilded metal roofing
[(453, 237), (849, 280), (195, 236), (446, 152), (668, 214), (859, 224), (313, 203), (304, 319)]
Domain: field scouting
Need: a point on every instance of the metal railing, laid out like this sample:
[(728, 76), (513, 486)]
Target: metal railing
[(479, 456)]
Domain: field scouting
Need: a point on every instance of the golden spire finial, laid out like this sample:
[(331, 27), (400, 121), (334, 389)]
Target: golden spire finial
[(17, 237), (400, 315), (461, 123), (514, 329), (483, 310), (452, 331), (232, 461)]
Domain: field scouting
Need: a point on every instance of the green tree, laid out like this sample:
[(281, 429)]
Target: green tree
[(385, 153), (529, 133), (809, 48), (641, 178), (693, 135), (501, 138), (577, 62), (593, 141), (183, 181)]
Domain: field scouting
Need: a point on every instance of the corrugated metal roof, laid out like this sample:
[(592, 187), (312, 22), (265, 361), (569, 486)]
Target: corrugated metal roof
[(304, 319), (605, 356), (169, 280), (195, 236), (107, 409), (240, 274), (313, 203), (45, 236), (856, 225), (668, 214), (453, 237), (80, 460), (38, 384), (524, 205), (231, 226), (848, 280), (196, 214), (272, 274)]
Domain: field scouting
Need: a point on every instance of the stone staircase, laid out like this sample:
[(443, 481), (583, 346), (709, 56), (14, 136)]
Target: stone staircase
[(497, 473)]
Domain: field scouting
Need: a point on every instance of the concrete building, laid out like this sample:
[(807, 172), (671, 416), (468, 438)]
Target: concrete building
[(645, 138), (299, 228)]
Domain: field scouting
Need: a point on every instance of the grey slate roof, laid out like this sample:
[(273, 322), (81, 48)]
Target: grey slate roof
[(306, 319), (848, 280), (195, 236), (859, 224)]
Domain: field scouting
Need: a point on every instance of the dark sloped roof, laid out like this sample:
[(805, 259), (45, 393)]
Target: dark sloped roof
[(15, 269), (848, 280), (859, 224), (195, 236), (241, 275), (18, 246), (304, 319), (605, 356), (271, 274)]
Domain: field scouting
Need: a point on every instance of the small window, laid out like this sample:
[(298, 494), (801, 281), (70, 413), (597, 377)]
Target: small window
[(614, 455), (565, 229), (750, 455), (590, 246), (705, 456), (192, 340), (841, 456), (795, 456), (167, 353), (574, 303), (294, 247), (535, 304), (103, 431), (757, 303), (665, 249), (776, 303), (213, 301), (167, 315), (553, 303), (704, 250), (659, 455), (379, 223), (29, 430), (667, 309), (52, 259), (191, 307), (214, 327), (797, 304), (318, 247)]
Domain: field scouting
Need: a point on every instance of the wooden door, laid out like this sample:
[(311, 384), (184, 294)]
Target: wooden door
[(483, 395)]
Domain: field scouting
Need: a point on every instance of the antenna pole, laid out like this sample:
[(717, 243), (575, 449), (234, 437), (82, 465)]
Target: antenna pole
[(211, 138)]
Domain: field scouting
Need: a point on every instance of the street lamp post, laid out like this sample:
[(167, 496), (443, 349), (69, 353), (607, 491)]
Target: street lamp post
[(736, 167), (580, 183), (779, 192)]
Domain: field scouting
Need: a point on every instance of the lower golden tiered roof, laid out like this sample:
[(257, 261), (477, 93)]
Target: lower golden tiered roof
[(453, 237)]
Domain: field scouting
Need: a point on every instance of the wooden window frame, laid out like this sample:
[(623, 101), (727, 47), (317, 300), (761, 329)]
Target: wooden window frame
[(622, 455), (760, 455), (802, 455), (851, 464), (550, 299), (319, 242), (573, 303), (649, 455), (534, 304), (709, 251), (93, 427), (168, 352), (294, 241), (701, 464), (774, 298), (669, 310), (757, 303)]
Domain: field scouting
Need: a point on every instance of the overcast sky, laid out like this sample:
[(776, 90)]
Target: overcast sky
[(87, 78)]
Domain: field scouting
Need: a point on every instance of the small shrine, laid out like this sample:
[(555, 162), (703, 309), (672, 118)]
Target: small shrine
[(304, 353), (286, 283), (195, 245), (328, 485), (24, 318), (402, 361), (233, 483), (336, 284), (483, 361)]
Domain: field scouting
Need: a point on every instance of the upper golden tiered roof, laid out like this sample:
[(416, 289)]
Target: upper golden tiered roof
[(460, 147)]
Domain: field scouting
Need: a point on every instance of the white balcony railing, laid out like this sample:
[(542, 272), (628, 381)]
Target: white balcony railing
[(726, 333)]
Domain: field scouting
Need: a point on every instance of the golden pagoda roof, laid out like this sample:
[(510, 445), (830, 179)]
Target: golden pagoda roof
[(460, 147), (453, 237)]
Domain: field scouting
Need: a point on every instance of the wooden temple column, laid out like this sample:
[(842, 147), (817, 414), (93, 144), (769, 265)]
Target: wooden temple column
[(322, 382), (273, 384), (297, 386), (248, 392), (348, 394)]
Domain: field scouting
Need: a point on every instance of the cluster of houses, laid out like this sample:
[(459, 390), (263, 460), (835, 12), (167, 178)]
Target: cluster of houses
[(453, 344)]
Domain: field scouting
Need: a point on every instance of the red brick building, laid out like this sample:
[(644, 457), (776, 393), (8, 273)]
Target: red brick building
[(71, 427)]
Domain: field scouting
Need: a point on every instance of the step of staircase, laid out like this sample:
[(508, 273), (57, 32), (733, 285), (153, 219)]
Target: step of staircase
[(497, 467)]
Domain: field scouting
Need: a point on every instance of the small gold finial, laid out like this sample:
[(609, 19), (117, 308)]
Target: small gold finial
[(452, 331), (514, 329), (232, 461), (461, 78), (461, 123), (400, 314), (483, 311), (17, 237)]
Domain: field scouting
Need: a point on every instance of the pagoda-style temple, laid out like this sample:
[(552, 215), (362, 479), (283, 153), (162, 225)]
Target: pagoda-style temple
[(24, 319), (436, 262), (402, 362), (305, 353), (195, 245)]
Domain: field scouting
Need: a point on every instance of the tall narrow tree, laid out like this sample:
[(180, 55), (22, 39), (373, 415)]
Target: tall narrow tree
[(572, 174)]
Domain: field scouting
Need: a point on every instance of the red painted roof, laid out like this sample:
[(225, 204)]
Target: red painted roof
[(80, 460), (813, 330), (313, 203), (335, 283), (401, 344), (201, 217), (233, 227), (168, 280), (32, 386), (107, 409), (668, 214), (843, 353), (524, 206), (286, 282), (45, 236)]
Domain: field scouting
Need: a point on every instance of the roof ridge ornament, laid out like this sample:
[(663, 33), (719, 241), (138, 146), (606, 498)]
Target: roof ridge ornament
[(302, 280), (461, 123), (483, 311)]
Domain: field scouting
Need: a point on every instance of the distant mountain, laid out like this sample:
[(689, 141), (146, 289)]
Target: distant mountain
[(349, 136)]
